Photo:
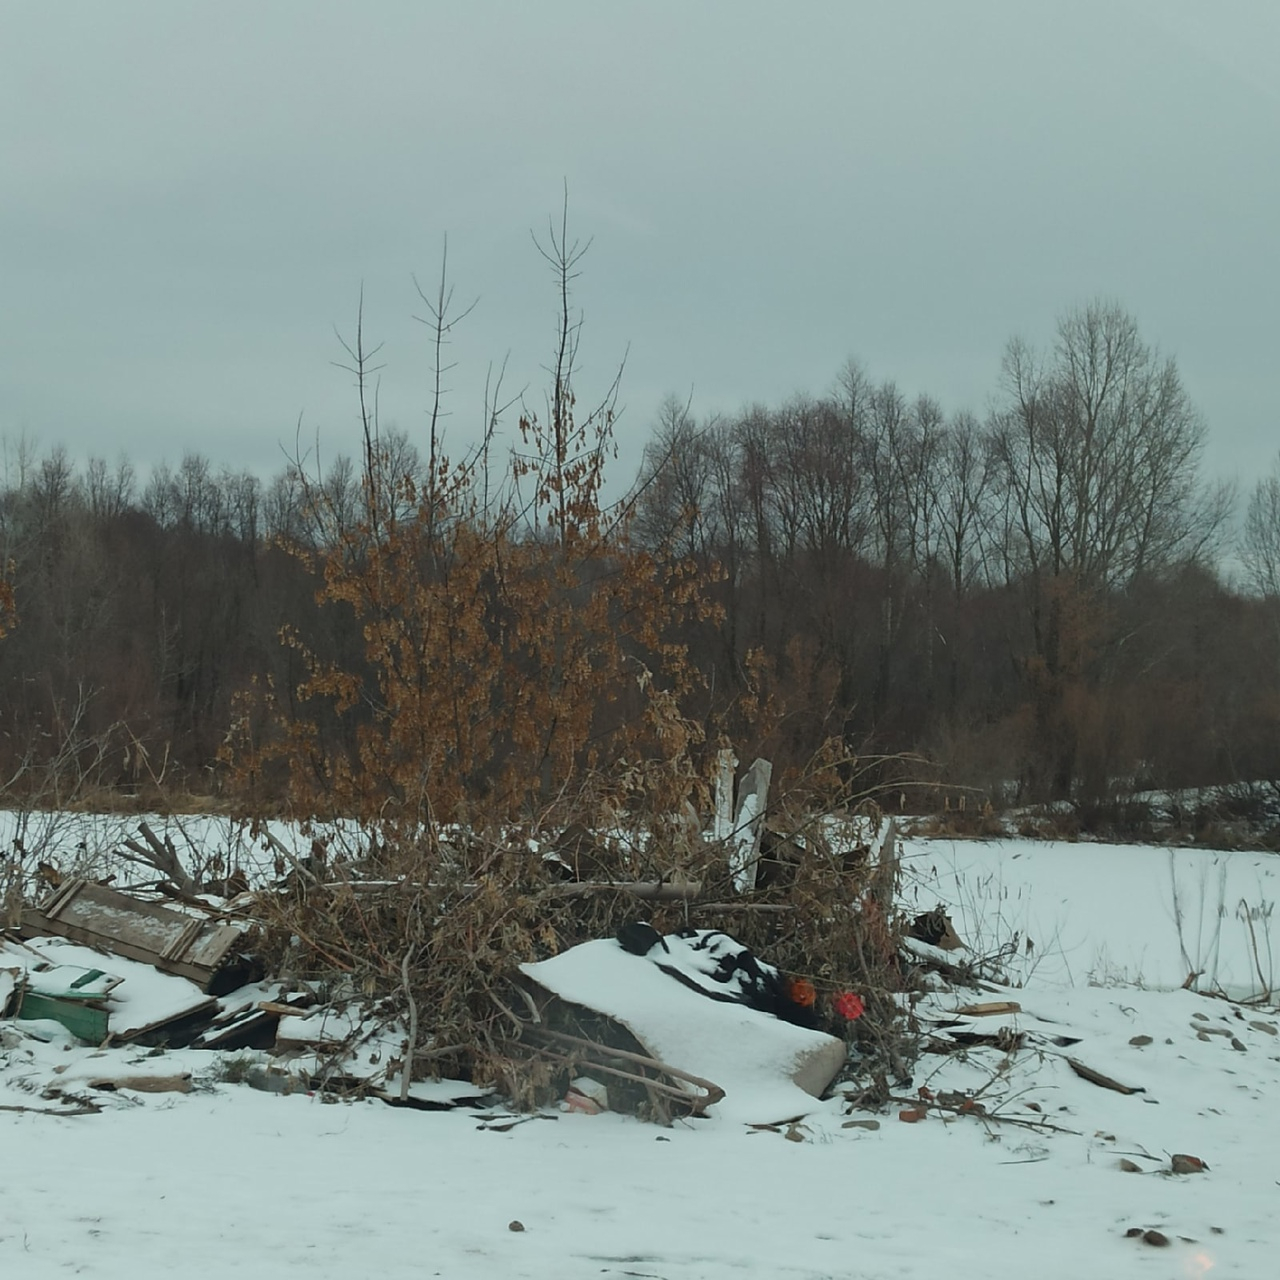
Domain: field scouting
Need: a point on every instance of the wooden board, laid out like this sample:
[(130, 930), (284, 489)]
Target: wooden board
[(101, 917)]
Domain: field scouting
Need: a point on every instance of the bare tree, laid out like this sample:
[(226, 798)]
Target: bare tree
[(363, 369), (109, 494), (284, 507), (1097, 448), (159, 496), (1260, 539), (675, 507), (891, 438), (964, 485), (242, 498), (199, 498), (821, 480), (565, 451), (1260, 548)]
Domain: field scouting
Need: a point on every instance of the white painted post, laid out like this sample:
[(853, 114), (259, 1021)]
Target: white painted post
[(753, 798), (726, 764)]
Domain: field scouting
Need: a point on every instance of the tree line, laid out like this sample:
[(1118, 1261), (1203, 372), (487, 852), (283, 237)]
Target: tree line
[(1031, 605)]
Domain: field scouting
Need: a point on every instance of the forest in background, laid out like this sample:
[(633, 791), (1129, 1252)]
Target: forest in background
[(1029, 606)]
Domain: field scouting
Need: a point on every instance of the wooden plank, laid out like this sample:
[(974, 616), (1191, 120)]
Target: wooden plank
[(191, 1013), (109, 913), (35, 925), (214, 944), (753, 802), (726, 764), (174, 949), (179, 1082), (990, 1009)]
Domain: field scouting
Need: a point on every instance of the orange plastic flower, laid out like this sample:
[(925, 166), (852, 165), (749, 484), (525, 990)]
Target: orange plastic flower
[(802, 992), (849, 1006)]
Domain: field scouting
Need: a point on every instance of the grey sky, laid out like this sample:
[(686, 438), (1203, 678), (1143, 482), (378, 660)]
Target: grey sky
[(194, 193)]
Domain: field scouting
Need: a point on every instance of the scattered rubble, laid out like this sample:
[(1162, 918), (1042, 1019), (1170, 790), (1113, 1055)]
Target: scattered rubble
[(1148, 1235)]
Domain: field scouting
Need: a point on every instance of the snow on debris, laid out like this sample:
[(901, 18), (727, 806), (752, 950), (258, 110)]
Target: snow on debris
[(146, 997), (754, 1057)]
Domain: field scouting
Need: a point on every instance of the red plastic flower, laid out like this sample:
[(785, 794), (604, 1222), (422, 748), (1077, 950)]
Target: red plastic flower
[(849, 1006), (802, 992)]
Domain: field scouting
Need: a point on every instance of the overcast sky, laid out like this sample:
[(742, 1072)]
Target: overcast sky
[(194, 193)]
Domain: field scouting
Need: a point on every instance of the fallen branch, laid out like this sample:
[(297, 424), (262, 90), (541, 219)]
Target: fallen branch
[(161, 856), (1265, 993), (411, 1039), (288, 856), (648, 890), (671, 1091), (981, 1113), (439, 1051), (964, 972), (1096, 1077), (697, 1105), (747, 906), (50, 1111)]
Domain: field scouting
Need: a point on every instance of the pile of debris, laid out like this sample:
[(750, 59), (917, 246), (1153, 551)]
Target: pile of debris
[(645, 1022), (122, 968), (625, 994)]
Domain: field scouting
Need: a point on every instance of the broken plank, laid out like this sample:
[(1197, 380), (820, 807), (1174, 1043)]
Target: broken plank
[(990, 1009), (174, 1020), (282, 1010), (176, 1082)]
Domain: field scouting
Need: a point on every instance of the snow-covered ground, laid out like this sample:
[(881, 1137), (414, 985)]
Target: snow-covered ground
[(93, 844), (1104, 914), (226, 1180)]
